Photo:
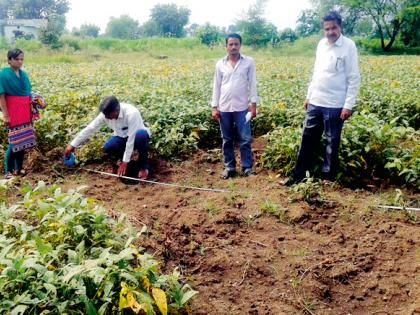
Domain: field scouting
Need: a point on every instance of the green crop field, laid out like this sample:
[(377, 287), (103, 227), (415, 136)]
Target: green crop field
[(381, 139), (62, 253)]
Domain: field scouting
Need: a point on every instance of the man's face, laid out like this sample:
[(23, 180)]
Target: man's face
[(332, 31), (113, 115), (233, 46), (16, 63)]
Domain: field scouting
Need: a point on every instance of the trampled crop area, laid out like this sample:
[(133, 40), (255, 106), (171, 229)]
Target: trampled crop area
[(261, 248)]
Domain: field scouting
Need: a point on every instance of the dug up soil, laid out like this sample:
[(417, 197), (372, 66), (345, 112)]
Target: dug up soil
[(260, 248)]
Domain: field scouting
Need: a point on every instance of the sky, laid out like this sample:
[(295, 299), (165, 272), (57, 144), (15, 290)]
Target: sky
[(282, 13)]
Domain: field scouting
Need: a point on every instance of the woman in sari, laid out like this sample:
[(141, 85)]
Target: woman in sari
[(15, 91)]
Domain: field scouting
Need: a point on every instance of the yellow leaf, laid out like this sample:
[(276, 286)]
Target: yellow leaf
[(123, 293), (132, 303), (195, 134), (127, 300), (160, 299), (146, 284)]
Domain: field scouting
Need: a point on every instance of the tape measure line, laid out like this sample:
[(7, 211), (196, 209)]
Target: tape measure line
[(157, 183)]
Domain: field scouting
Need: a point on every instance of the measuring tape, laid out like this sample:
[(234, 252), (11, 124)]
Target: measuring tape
[(156, 183)]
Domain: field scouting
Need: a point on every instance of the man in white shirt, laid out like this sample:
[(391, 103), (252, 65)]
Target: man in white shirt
[(234, 95), (330, 99), (130, 134)]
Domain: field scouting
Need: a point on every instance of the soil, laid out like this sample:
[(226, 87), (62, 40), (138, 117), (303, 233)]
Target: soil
[(260, 248)]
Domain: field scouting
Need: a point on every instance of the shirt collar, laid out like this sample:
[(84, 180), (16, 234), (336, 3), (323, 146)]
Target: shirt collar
[(338, 42), (121, 113), (226, 59)]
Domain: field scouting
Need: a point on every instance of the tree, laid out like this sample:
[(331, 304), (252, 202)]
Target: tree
[(410, 31), (350, 16), (209, 34), (191, 29), (89, 30), (170, 19), (288, 35), (255, 29), (50, 35), (308, 23), (37, 9), (149, 29), (364, 27), (123, 27), (4, 9), (388, 16), (52, 10)]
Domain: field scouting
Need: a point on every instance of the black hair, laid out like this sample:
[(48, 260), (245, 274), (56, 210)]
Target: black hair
[(234, 35), (14, 53), (332, 16), (109, 104)]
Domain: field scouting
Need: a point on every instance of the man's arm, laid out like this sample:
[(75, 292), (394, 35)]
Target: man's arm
[(217, 83), (352, 77), (253, 96), (312, 82), (134, 121), (85, 134)]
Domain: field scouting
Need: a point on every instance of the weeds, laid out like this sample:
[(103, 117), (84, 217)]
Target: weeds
[(250, 219), (275, 210), (211, 209), (309, 190)]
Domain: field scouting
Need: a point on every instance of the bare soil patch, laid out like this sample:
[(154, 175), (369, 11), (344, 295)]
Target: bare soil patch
[(338, 256)]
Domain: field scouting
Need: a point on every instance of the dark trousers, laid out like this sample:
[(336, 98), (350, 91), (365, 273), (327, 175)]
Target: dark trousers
[(13, 161), (115, 147), (319, 120), (231, 123)]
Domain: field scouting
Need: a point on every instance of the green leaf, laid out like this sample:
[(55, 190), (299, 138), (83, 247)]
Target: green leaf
[(90, 308), (187, 296), (19, 309)]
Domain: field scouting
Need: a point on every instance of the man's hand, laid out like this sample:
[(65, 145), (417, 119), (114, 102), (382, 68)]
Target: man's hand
[(68, 151), (345, 114), (215, 114), (253, 110), (306, 104), (122, 168)]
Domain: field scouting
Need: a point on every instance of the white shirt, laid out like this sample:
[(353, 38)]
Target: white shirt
[(234, 87), (336, 78), (126, 125)]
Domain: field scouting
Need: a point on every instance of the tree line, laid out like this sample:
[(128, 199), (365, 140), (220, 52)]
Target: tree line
[(387, 20)]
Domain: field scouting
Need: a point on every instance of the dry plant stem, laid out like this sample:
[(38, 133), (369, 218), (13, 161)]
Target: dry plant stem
[(258, 243), (243, 275)]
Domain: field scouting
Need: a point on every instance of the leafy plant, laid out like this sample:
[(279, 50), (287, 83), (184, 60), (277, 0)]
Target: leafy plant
[(309, 190), (60, 253)]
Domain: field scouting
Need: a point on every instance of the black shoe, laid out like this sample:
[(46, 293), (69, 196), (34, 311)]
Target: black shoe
[(247, 172), (327, 177), (227, 173)]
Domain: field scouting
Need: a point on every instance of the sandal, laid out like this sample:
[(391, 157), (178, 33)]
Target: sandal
[(21, 172), (143, 174)]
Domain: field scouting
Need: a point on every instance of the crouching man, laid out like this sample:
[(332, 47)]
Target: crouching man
[(130, 134)]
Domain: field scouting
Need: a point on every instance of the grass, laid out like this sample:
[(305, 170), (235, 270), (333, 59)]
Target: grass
[(275, 210), (211, 209), (74, 49)]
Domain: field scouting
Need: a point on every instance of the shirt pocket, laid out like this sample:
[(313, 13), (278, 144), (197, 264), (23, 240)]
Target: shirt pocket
[(242, 74), (335, 64)]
